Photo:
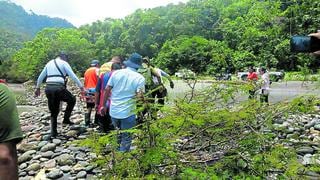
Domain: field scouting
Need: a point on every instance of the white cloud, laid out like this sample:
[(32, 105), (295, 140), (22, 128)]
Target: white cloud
[(80, 12)]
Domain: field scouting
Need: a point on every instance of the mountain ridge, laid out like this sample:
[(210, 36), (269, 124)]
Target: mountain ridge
[(15, 18)]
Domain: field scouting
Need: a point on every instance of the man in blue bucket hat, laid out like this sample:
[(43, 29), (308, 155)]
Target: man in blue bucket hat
[(127, 87)]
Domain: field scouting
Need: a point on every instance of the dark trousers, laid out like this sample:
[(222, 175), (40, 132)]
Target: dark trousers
[(160, 94), (264, 98), (105, 122), (252, 94), (55, 95)]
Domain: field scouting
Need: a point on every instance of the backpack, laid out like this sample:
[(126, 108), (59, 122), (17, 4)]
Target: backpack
[(147, 74)]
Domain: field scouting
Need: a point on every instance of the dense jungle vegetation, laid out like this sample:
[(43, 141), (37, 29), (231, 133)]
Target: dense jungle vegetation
[(206, 36)]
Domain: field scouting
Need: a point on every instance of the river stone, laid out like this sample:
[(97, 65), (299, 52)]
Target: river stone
[(26, 156), (81, 156), (305, 150), (66, 169), (89, 168), (37, 157), (50, 164), (47, 154), (48, 147), (33, 167), (55, 174), (81, 174), (24, 147), (290, 130), (46, 137), (307, 159), (317, 127), (22, 173), (278, 121), (56, 141), (26, 178), (72, 133), (78, 167), (65, 159), (42, 143), (72, 148), (23, 165)]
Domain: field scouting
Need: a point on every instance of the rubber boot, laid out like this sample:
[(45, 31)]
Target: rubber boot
[(53, 130), (87, 119)]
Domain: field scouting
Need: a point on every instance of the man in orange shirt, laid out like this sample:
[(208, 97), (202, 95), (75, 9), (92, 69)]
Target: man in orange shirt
[(252, 78), (90, 83)]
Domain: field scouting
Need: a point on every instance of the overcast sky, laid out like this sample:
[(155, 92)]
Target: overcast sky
[(80, 12)]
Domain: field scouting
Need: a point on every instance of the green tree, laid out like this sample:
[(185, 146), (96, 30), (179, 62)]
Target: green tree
[(195, 53), (29, 61)]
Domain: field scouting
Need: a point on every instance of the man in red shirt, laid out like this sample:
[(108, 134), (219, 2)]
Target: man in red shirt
[(252, 78), (90, 83)]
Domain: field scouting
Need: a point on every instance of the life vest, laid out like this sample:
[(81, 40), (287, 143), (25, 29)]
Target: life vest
[(149, 78)]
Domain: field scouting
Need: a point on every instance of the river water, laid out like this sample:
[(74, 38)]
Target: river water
[(280, 91)]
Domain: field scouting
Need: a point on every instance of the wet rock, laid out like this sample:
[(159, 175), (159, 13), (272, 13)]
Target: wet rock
[(48, 147), (54, 174)]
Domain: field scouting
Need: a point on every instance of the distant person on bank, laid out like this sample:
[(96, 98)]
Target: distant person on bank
[(56, 71), (252, 79), (265, 85), (10, 134), (127, 87), (90, 83)]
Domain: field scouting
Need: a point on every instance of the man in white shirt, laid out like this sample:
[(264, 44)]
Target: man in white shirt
[(265, 85), (127, 86), (56, 71)]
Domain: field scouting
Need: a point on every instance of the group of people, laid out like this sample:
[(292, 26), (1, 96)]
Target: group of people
[(113, 90), (262, 84)]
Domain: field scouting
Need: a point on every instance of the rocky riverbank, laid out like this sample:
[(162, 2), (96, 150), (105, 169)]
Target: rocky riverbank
[(59, 158), (39, 157)]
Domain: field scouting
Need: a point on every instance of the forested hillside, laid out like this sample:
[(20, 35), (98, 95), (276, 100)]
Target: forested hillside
[(15, 18), (206, 36), (18, 26)]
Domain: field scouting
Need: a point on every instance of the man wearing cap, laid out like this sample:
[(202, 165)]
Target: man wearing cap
[(56, 71), (90, 83), (127, 86)]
